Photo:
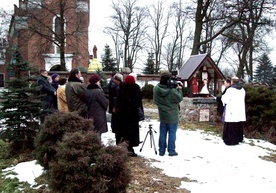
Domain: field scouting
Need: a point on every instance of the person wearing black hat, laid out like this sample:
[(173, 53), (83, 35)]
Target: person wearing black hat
[(167, 100), (97, 105)]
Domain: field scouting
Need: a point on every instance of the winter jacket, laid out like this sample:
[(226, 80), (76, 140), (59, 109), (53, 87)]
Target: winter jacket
[(167, 101), (97, 105), (46, 92), (111, 93), (220, 106), (75, 96), (234, 99), (129, 99), (55, 100), (61, 99)]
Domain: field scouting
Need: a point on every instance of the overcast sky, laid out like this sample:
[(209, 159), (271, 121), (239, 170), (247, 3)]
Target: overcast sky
[(8, 3)]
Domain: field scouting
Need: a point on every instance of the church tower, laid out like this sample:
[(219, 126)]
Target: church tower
[(51, 33)]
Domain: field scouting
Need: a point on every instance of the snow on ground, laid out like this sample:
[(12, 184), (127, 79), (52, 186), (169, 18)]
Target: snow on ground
[(27, 171), (211, 166)]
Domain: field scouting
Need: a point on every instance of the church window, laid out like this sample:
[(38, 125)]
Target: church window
[(58, 22)]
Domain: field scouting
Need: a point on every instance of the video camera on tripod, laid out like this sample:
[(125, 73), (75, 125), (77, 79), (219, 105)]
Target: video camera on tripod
[(175, 80)]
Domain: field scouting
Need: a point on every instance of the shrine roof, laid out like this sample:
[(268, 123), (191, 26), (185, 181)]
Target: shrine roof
[(195, 62)]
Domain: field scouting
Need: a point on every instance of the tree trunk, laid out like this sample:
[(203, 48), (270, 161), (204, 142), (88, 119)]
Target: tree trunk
[(198, 29)]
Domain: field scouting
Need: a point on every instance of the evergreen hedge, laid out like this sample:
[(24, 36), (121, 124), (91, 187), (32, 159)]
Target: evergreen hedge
[(147, 91), (76, 161), (19, 107), (260, 103)]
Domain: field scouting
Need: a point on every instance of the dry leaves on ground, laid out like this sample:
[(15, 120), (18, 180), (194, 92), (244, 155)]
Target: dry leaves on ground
[(145, 178)]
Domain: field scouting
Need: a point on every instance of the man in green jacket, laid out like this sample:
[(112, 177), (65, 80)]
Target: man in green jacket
[(167, 99)]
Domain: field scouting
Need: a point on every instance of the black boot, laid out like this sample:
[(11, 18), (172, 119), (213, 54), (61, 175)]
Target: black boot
[(131, 152)]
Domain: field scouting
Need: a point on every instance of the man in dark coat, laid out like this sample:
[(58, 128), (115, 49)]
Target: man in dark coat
[(111, 86), (47, 93), (114, 106), (130, 98), (97, 105)]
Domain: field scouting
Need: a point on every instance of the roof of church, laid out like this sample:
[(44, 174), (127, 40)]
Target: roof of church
[(195, 62)]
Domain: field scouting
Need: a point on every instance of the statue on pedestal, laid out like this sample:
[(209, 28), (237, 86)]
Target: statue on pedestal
[(195, 84), (95, 65), (204, 76)]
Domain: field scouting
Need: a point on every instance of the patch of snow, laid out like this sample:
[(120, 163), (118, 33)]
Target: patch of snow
[(212, 166)]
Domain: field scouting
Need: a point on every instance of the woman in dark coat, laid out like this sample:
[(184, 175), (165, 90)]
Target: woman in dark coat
[(97, 105), (129, 99), (75, 93)]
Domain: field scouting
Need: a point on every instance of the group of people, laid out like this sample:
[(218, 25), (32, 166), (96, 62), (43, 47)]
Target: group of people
[(231, 105), (90, 102), (125, 97)]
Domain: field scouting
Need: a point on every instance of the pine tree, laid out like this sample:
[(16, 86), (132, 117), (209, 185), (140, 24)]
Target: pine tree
[(264, 70), (109, 63), (20, 107), (149, 69)]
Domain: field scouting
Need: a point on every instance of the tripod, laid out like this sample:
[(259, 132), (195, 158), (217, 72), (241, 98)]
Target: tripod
[(151, 138)]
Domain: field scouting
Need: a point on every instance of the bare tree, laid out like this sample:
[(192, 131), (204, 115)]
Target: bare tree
[(179, 36), (160, 17), (4, 25), (181, 28), (248, 35), (4, 22), (212, 18), (115, 36), (55, 24), (129, 22)]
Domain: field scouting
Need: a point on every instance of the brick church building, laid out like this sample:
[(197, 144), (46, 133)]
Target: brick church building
[(41, 29)]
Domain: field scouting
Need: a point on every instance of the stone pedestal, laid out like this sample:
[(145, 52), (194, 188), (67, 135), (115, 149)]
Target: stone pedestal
[(95, 65), (198, 109)]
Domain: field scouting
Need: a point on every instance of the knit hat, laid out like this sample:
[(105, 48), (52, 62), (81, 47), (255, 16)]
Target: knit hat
[(94, 78), (129, 79), (134, 75), (118, 77), (54, 76)]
